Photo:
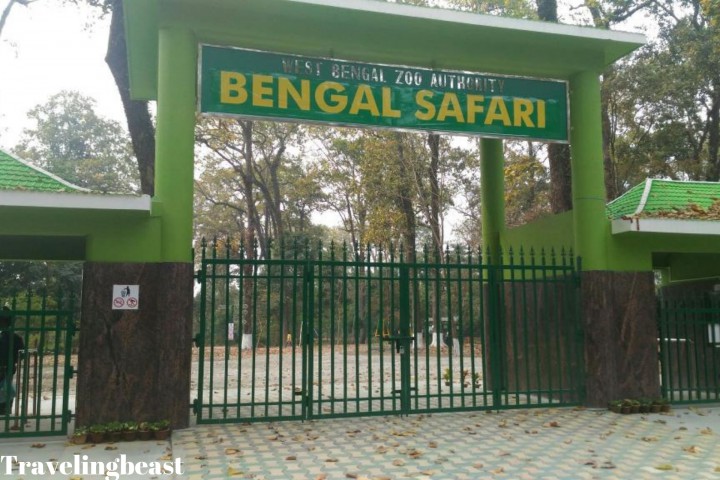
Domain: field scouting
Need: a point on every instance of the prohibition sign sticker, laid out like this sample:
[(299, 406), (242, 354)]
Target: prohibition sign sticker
[(125, 297)]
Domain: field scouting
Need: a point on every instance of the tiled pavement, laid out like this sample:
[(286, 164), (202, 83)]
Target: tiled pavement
[(518, 444), (514, 445)]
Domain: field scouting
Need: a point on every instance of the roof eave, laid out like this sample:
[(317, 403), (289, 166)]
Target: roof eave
[(665, 225), (143, 19), (75, 201)]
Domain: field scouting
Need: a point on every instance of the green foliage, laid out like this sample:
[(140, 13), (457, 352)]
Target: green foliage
[(72, 141)]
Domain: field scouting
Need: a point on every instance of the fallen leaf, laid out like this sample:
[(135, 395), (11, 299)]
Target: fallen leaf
[(432, 444), (665, 467), (201, 457), (111, 447), (551, 424), (321, 476), (498, 471), (234, 472), (398, 462), (692, 449), (290, 458), (351, 475), (478, 466), (706, 431), (231, 451), (607, 465), (331, 460), (414, 454), (38, 445), (649, 439)]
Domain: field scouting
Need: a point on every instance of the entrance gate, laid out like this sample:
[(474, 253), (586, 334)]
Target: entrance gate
[(42, 383), (689, 338), (330, 332)]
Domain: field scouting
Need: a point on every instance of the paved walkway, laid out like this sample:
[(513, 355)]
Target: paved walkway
[(520, 444), (527, 444)]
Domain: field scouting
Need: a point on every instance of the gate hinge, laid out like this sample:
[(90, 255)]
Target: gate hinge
[(200, 276), (197, 339), (70, 371), (195, 406)]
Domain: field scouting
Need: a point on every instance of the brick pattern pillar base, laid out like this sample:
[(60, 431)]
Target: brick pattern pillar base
[(135, 365)]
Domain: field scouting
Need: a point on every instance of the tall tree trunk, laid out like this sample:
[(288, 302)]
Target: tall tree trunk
[(433, 141), (560, 178), (713, 171), (140, 126), (251, 232), (611, 187), (558, 154)]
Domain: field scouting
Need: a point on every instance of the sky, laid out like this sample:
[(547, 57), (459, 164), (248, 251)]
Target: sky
[(45, 48), (48, 47)]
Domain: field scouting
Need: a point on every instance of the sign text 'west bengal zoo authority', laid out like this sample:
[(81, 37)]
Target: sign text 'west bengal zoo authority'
[(250, 83)]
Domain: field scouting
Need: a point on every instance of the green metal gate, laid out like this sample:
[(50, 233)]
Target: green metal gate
[(689, 339), (43, 380), (342, 331)]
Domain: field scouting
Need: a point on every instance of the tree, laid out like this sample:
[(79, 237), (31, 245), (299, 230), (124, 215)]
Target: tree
[(70, 140), (8, 7), (137, 112)]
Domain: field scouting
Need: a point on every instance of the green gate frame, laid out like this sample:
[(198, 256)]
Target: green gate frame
[(522, 315), (39, 320), (689, 341)]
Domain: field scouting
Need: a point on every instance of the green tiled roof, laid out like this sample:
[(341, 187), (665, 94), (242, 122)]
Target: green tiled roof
[(15, 174), (658, 198)]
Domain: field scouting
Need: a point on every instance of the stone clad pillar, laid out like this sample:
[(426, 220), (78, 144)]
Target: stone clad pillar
[(136, 365), (621, 350)]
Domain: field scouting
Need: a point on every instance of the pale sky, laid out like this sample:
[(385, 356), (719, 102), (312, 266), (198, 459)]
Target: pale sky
[(46, 48)]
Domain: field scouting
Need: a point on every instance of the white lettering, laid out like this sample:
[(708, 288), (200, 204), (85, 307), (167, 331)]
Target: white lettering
[(8, 460)]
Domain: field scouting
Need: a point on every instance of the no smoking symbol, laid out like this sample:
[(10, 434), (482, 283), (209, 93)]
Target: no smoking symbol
[(132, 302)]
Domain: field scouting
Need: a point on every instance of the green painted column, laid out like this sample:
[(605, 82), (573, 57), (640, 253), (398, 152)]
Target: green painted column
[(492, 186), (175, 136), (588, 173)]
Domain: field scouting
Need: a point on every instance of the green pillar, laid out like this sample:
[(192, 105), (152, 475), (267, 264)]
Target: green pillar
[(492, 185), (588, 173), (174, 162)]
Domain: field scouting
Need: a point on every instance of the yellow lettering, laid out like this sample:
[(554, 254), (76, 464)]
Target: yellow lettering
[(364, 100), (422, 99), (497, 111), (541, 113), (287, 89), (387, 110), (261, 89), (450, 100), (522, 109), (474, 106), (337, 102), (232, 88)]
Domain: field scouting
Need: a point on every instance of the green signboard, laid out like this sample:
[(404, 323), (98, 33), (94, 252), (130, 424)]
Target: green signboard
[(258, 84)]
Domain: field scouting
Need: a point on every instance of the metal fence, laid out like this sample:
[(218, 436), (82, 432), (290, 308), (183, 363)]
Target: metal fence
[(37, 379), (689, 329), (340, 331)]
